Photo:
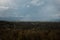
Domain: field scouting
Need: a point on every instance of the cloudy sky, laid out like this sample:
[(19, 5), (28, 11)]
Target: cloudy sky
[(30, 10)]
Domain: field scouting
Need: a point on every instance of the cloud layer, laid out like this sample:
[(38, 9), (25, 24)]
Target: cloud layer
[(31, 10)]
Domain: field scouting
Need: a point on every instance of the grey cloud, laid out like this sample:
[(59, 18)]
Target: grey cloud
[(34, 10)]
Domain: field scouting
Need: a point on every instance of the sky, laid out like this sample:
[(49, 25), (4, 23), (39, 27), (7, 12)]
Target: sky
[(30, 10)]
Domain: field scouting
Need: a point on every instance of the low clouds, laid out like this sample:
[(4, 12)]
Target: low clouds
[(31, 10)]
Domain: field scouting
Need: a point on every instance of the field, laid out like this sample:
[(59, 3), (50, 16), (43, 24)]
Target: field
[(29, 30)]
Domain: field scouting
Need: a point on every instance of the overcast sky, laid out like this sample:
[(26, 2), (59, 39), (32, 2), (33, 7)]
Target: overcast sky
[(30, 10)]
